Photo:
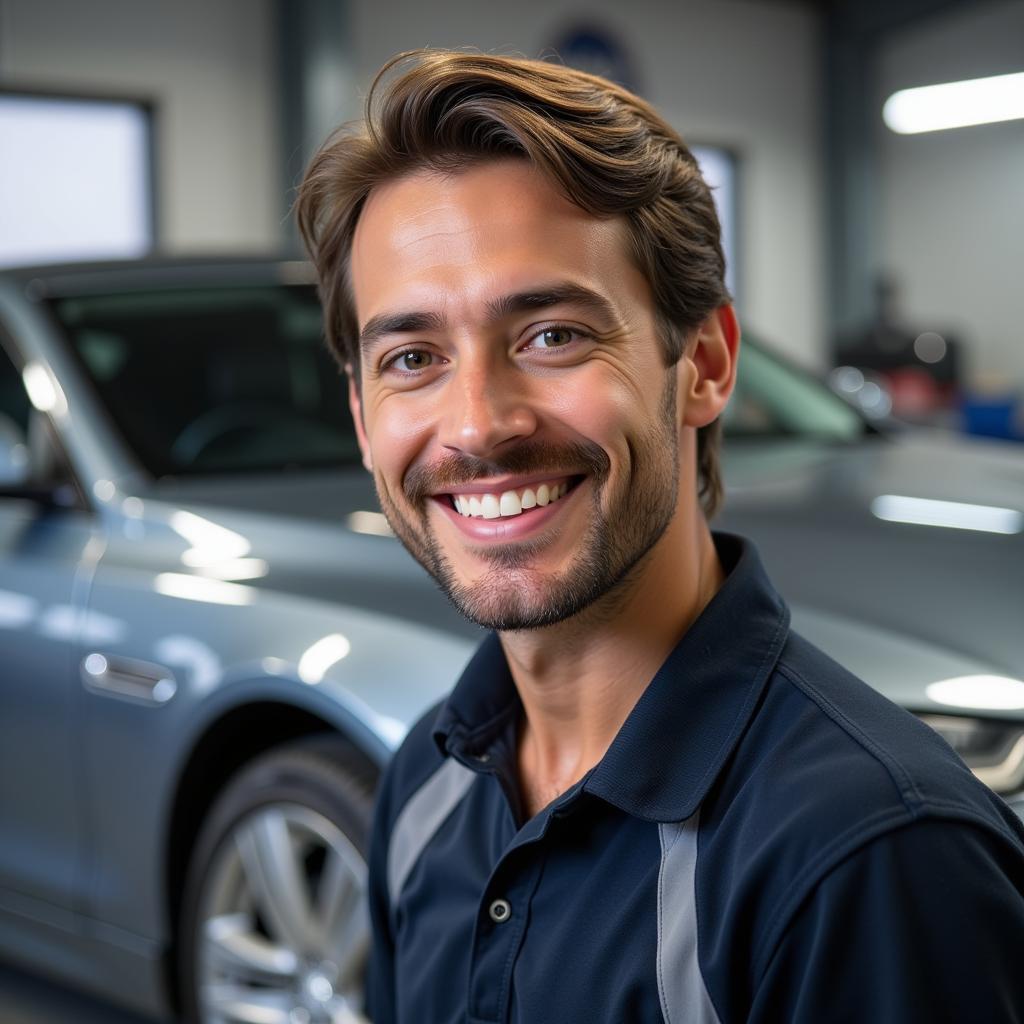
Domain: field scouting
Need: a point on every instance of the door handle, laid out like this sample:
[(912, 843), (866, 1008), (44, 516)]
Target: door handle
[(142, 681)]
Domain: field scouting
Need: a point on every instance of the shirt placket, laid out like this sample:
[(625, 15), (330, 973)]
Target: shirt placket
[(503, 917), (501, 927)]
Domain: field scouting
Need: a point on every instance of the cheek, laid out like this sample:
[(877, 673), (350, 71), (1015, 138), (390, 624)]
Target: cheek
[(605, 407), (398, 429)]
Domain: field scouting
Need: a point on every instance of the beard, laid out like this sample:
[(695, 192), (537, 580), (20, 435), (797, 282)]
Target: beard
[(516, 592)]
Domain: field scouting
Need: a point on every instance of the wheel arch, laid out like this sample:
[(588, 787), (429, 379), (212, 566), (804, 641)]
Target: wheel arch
[(226, 745)]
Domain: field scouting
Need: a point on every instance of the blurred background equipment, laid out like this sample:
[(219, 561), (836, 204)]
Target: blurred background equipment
[(915, 372)]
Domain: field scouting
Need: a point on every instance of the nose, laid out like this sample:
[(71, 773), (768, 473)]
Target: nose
[(486, 407)]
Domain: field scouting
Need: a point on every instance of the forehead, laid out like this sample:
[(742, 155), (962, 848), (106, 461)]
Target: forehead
[(433, 238)]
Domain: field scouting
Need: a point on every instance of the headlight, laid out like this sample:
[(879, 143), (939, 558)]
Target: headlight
[(992, 749)]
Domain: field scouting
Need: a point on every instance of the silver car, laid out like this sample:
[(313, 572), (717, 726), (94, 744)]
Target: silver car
[(213, 643)]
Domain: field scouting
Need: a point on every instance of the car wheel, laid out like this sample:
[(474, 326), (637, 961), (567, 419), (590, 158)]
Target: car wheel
[(274, 926)]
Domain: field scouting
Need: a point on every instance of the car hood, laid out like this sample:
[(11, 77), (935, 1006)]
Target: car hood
[(322, 536), (867, 586)]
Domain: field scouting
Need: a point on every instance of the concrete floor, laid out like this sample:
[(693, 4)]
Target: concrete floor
[(27, 999)]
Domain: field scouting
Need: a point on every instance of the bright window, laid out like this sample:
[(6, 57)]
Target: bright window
[(719, 169), (76, 179)]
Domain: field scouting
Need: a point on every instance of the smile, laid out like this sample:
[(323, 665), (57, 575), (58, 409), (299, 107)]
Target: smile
[(508, 503)]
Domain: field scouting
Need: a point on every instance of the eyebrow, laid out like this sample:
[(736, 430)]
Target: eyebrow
[(542, 297), (384, 324), (563, 293)]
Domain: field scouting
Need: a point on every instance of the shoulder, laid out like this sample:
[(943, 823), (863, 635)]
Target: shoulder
[(864, 742), (932, 913), (827, 768)]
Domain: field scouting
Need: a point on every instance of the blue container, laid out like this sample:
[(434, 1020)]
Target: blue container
[(992, 416)]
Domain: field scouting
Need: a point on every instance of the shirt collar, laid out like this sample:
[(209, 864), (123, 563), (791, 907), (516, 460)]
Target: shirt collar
[(672, 746)]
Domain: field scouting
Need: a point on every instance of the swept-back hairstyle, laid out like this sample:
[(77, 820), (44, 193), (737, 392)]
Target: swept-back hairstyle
[(606, 150)]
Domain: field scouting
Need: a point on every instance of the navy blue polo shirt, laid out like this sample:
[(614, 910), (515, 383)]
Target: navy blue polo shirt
[(767, 839)]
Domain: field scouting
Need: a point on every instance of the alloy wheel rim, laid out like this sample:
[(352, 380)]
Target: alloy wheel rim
[(283, 926)]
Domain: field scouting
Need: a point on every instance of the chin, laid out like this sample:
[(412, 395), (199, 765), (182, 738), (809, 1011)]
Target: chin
[(507, 600)]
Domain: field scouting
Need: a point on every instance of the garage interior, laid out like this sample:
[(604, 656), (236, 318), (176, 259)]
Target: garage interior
[(876, 255)]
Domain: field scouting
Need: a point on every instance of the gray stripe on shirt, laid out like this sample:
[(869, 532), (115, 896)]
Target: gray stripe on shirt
[(684, 996), (427, 810)]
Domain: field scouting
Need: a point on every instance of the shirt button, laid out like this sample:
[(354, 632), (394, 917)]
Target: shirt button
[(500, 911)]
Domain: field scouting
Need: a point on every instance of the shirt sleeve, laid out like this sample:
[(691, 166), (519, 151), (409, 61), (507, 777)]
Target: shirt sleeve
[(925, 924)]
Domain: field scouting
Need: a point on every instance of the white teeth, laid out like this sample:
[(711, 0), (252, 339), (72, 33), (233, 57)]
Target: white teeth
[(508, 503)]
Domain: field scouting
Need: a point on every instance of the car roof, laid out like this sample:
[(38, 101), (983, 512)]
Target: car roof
[(62, 280)]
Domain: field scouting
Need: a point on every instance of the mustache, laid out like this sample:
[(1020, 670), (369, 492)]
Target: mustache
[(455, 468)]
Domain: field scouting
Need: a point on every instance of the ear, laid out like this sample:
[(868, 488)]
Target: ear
[(355, 404), (710, 359)]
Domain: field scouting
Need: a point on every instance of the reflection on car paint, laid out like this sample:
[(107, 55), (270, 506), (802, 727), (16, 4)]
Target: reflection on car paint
[(953, 515), (211, 543), (16, 610), (984, 693), (66, 622), (197, 588), (320, 656), (200, 662)]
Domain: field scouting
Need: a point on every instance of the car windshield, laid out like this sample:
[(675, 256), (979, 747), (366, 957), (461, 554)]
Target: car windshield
[(215, 379)]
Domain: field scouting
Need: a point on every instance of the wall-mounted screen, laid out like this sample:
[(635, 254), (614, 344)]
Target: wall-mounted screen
[(76, 178)]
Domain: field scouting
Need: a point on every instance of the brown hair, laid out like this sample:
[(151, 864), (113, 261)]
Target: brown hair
[(605, 149)]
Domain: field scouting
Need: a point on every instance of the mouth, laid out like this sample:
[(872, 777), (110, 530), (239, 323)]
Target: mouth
[(507, 503)]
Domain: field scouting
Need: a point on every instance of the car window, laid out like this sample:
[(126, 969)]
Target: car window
[(215, 379), (774, 399)]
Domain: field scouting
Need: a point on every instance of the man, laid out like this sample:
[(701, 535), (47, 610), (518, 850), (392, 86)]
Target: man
[(646, 799)]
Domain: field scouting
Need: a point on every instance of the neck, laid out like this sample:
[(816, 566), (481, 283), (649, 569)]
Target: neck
[(579, 679)]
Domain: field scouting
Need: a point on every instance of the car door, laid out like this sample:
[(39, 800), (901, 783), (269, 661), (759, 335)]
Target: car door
[(42, 547)]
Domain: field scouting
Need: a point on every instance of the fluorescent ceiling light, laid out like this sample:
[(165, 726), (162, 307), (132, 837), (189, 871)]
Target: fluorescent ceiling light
[(955, 515), (933, 108)]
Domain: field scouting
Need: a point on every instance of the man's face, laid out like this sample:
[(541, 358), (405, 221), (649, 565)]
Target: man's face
[(514, 404)]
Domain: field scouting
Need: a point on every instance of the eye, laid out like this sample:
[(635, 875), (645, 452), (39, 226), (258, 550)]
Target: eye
[(410, 361), (553, 337)]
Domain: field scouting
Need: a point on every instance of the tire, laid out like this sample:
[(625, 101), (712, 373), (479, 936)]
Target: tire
[(273, 924)]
